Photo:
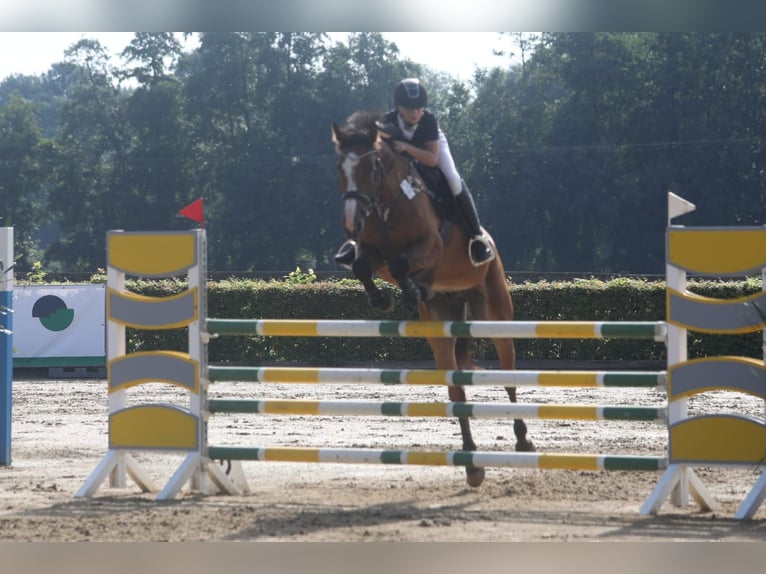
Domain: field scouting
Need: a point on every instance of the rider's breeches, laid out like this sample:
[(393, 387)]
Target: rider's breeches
[(447, 166)]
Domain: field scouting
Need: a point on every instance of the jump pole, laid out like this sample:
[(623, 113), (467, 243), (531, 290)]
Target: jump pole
[(6, 342), (472, 329)]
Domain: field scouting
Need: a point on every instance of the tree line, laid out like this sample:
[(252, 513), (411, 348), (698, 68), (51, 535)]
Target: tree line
[(569, 149)]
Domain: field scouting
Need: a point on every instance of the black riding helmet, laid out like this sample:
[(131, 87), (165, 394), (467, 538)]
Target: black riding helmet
[(410, 94)]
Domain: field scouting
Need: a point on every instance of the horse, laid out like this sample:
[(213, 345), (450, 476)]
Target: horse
[(402, 238)]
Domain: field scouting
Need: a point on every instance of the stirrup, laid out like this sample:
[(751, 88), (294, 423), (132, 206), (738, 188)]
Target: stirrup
[(480, 251)]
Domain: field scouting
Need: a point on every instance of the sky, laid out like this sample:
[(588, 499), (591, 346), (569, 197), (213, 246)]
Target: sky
[(457, 53)]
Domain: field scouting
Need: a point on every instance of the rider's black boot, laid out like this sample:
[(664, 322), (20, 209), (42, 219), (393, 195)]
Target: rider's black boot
[(346, 254), (479, 247)]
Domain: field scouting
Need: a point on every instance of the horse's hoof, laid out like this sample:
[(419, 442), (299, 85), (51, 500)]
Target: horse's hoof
[(382, 301), (474, 476), (412, 297), (525, 446)]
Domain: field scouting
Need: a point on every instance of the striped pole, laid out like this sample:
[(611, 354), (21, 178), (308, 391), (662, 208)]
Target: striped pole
[(6, 342), (440, 458), (437, 409), (488, 377), (475, 329)]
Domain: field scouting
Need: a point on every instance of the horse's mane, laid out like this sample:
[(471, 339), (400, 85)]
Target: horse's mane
[(362, 120), (360, 129)]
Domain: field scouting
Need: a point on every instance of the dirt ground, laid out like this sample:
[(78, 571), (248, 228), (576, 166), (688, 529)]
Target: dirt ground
[(59, 436)]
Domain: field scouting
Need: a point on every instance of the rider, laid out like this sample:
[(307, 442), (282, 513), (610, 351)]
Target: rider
[(413, 130)]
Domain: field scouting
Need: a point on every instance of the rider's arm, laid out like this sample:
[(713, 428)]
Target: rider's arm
[(428, 156)]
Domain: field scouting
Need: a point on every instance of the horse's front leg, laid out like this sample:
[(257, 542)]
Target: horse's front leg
[(414, 269), (412, 293), (379, 298)]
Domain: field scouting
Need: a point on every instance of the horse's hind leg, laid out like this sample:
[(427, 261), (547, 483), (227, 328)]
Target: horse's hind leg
[(474, 475), (441, 309), (523, 444), (507, 354), (463, 354), (495, 304)]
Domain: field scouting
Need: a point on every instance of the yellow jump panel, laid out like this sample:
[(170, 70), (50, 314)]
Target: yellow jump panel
[(152, 254), (160, 427), (718, 251), (727, 439)]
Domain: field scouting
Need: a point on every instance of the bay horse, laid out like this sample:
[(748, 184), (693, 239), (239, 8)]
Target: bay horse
[(402, 238)]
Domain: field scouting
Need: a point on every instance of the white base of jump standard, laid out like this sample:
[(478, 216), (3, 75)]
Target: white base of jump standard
[(205, 477)]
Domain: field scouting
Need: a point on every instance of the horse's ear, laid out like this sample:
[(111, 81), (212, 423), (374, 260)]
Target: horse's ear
[(337, 133), (373, 133)]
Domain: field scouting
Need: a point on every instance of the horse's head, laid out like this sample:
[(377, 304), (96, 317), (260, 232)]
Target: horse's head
[(367, 168), (358, 167)]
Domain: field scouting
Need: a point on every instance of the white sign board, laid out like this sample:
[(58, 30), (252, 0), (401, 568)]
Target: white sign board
[(59, 325)]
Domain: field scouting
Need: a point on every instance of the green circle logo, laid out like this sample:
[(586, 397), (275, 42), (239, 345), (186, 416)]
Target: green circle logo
[(53, 313)]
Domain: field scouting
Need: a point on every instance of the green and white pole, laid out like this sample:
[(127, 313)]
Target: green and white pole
[(6, 342)]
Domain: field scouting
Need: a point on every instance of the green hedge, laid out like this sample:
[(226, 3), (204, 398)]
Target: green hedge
[(579, 300)]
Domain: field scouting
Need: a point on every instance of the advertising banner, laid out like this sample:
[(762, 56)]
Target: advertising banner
[(59, 326)]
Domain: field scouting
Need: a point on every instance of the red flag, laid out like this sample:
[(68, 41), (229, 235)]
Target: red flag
[(194, 211)]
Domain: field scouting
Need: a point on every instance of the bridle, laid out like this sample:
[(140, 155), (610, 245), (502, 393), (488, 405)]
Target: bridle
[(381, 177), (367, 203)]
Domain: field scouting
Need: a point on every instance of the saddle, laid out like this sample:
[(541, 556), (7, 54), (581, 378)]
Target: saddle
[(440, 194)]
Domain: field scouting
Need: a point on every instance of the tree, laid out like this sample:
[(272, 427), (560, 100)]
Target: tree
[(709, 99), (90, 155), (23, 163), (153, 54)]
